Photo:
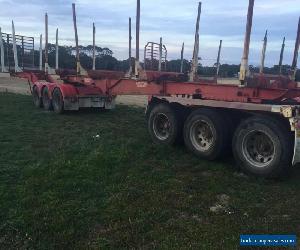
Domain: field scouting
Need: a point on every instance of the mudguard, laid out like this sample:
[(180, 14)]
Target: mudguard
[(70, 96), (296, 158), (39, 86)]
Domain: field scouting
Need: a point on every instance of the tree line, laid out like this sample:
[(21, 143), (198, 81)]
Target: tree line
[(106, 61)]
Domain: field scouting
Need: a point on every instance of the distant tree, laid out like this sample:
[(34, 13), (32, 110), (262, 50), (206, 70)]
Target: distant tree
[(175, 65), (66, 60), (124, 65), (106, 61), (227, 70)]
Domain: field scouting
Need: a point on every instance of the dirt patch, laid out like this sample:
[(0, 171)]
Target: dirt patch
[(20, 86)]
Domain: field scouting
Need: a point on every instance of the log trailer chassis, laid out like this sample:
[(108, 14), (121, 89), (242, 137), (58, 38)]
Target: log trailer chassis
[(258, 120)]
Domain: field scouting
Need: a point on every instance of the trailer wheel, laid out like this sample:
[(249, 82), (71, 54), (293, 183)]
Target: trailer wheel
[(58, 102), (263, 147), (206, 134), (37, 100), (164, 125), (46, 99)]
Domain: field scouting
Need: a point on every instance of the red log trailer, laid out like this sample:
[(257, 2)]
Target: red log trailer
[(258, 119)]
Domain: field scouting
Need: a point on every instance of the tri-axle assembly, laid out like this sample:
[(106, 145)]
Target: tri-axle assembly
[(257, 119)]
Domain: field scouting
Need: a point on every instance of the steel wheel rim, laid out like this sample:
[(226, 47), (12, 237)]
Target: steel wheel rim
[(161, 126), (202, 135), (259, 148)]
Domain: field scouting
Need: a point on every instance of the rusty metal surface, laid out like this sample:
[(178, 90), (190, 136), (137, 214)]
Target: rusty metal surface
[(15, 52), (194, 68), (3, 69), (181, 60), (129, 40), (296, 52), (281, 56), (138, 18), (218, 59), (160, 54), (262, 88), (244, 64), (46, 40), (56, 51), (164, 76), (76, 39), (263, 53), (259, 80), (105, 74), (217, 104), (41, 53), (94, 47)]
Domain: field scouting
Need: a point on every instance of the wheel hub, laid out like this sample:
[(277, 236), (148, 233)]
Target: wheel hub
[(161, 126), (258, 148), (202, 135)]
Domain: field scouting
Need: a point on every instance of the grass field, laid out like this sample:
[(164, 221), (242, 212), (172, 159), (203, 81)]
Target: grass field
[(95, 180)]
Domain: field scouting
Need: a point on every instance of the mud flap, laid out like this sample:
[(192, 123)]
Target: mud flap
[(110, 104), (296, 158)]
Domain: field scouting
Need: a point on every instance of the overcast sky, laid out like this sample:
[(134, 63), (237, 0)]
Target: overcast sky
[(174, 20)]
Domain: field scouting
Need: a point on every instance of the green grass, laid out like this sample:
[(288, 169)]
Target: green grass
[(60, 187)]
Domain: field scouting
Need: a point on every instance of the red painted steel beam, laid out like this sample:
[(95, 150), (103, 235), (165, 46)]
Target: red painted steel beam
[(230, 93)]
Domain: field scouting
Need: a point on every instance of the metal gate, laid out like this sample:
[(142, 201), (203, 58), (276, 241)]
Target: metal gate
[(25, 50)]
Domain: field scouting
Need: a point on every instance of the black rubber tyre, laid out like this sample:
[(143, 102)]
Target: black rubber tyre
[(263, 146), (207, 134), (163, 124), (47, 103), (57, 101), (37, 100)]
